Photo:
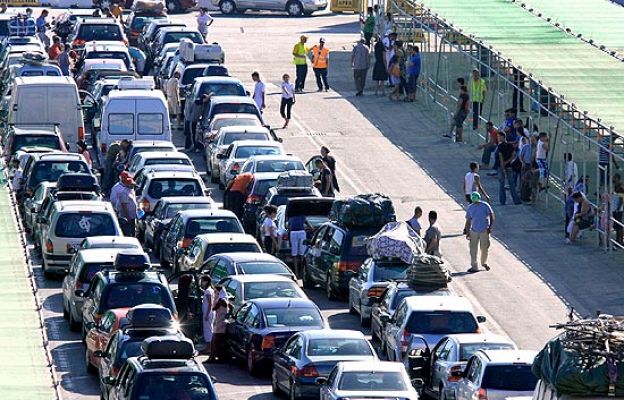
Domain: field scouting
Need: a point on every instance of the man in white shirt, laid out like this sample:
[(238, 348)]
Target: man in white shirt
[(259, 90)]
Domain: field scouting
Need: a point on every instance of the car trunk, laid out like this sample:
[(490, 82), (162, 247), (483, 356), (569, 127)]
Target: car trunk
[(315, 209)]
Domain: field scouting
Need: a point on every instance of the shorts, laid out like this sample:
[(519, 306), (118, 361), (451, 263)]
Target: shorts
[(542, 164), (297, 243), (584, 224), (459, 119)]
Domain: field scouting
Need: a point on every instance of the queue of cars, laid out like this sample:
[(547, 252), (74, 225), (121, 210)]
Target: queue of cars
[(139, 324)]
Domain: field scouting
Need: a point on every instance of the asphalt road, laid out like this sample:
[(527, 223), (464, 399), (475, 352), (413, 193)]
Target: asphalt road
[(368, 162)]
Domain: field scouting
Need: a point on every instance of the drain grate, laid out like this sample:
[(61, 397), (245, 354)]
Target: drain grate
[(324, 134)]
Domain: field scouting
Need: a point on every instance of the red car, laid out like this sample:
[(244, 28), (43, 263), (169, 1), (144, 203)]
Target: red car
[(98, 336)]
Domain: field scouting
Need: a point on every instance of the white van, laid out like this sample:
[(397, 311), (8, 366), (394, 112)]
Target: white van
[(48, 100), (133, 114)]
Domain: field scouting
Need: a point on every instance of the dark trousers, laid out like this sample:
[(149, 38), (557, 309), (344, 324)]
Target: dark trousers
[(302, 72), (321, 78), (477, 108), (367, 37), (359, 76), (235, 203), (285, 107), (189, 135)]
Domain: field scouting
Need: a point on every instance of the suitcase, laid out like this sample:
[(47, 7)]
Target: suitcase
[(168, 347), (209, 52), (21, 25), (295, 179), (149, 316), (187, 50)]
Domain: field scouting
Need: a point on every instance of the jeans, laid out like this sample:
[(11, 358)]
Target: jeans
[(487, 154), (479, 240), (285, 107), (359, 75), (321, 78), (302, 72), (507, 176), (477, 108)]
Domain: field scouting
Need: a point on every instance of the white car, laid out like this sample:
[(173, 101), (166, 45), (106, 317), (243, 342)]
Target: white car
[(238, 152), (157, 185), (276, 164), (370, 380), (497, 375), (110, 242), (145, 159), (222, 120)]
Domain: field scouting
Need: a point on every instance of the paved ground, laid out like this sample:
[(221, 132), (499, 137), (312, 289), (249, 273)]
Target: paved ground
[(396, 149)]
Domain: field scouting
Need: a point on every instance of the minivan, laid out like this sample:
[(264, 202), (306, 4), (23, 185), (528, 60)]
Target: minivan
[(48, 100)]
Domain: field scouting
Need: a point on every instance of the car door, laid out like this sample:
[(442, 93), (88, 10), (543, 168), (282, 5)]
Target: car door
[(171, 238), (467, 385), (313, 253), (89, 308), (235, 328), (439, 367), (331, 248), (118, 388), (380, 309), (190, 255), (357, 284), (281, 362), (219, 270), (224, 160), (392, 330), (105, 363)]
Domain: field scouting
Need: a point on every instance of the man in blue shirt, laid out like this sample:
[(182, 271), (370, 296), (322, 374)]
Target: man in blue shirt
[(297, 227), (42, 26), (413, 70), (479, 223)]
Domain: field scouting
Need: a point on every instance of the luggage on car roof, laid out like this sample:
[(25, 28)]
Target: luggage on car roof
[(131, 260), (294, 179), (428, 272), (168, 347), (77, 182), (20, 25), (149, 316), (154, 6), (363, 211)]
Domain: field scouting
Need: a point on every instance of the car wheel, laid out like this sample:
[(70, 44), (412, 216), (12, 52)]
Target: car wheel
[(328, 289), (252, 368), (363, 320), (90, 367), (74, 326), (305, 278), (46, 274), (292, 393), (294, 8), (274, 386), (227, 7)]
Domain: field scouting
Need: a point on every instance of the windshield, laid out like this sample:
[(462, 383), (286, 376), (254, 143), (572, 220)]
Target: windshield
[(173, 209), (174, 37), (441, 322), (248, 151), (222, 89), (467, 350), (261, 187), (278, 166), (509, 377), (176, 161), (263, 290), (89, 270), (234, 108), (231, 137), (89, 33), (281, 317), (49, 171), (109, 55), (47, 141), (263, 267), (372, 381), (388, 272), (185, 386), (221, 123), (219, 248), (84, 224), (190, 74), (197, 226), (121, 295), (339, 347), (174, 187)]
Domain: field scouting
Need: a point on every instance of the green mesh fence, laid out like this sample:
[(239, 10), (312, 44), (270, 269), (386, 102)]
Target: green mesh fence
[(586, 76)]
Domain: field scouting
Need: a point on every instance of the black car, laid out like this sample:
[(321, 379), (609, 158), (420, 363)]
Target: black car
[(262, 325), (334, 254), (259, 187), (167, 367), (279, 197)]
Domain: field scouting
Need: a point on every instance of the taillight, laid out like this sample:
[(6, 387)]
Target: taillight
[(454, 370), (482, 394), (235, 167), (145, 205), (104, 148), (308, 371), (405, 341), (376, 291), (253, 199), (343, 266), (49, 246), (268, 342), (81, 133)]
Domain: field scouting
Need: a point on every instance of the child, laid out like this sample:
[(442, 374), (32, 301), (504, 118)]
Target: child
[(269, 230), (288, 99)]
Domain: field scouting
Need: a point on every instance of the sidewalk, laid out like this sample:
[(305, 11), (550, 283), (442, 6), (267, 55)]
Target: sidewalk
[(24, 368)]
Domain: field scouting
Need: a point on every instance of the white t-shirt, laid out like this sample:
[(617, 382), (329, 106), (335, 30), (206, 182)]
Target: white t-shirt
[(202, 23), (258, 93), (541, 151), (266, 226), (469, 182), (288, 90)]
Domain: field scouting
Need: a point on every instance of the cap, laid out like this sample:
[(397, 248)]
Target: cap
[(322, 40), (475, 197)]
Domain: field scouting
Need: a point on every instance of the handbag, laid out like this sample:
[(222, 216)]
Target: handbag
[(395, 70)]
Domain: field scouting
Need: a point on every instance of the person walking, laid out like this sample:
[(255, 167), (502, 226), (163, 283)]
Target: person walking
[(320, 63), (380, 68), (326, 185), (288, 99), (301, 63), (506, 155), (269, 230), (478, 88), (360, 62), (433, 235), (472, 183), (330, 161), (461, 112), (204, 20), (414, 222), (42, 27), (175, 106), (413, 71), (479, 224), (207, 312), (369, 25), (259, 91)]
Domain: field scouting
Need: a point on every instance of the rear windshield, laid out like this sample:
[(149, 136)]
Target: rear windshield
[(230, 248), (372, 381), (190, 74), (47, 141), (276, 317), (121, 295), (401, 294), (278, 166), (229, 138), (181, 385), (139, 22), (339, 347), (174, 37), (264, 290), (248, 151), (90, 33), (82, 225), (150, 123), (137, 150), (197, 226), (388, 272), (109, 55), (467, 350), (131, 348), (89, 270), (49, 171), (220, 123), (234, 108), (509, 377), (173, 209), (176, 161), (174, 187), (441, 322), (222, 89), (263, 267), (261, 188), (282, 199)]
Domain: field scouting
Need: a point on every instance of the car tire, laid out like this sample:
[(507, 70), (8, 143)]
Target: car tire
[(292, 392), (74, 325), (252, 367), (365, 322), (331, 295), (90, 368), (227, 7), (275, 389), (46, 274), (294, 8)]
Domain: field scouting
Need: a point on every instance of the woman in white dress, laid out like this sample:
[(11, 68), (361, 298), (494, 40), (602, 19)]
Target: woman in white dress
[(207, 312)]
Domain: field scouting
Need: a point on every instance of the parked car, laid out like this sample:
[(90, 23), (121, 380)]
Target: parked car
[(222, 120), (222, 104), (366, 379), (259, 326), (309, 355), (147, 158), (222, 265), (294, 8), (241, 288), (96, 29), (99, 334), (231, 161), (206, 245), (497, 375), (110, 242), (20, 136), (32, 205), (157, 185), (48, 168), (137, 21), (279, 196), (451, 354)]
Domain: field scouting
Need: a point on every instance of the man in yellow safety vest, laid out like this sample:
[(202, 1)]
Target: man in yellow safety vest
[(320, 62), (478, 88), (301, 63)]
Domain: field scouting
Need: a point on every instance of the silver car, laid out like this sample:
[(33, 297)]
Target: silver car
[(450, 356), (294, 8), (238, 152), (370, 380)]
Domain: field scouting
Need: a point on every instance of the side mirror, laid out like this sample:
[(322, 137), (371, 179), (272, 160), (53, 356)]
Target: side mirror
[(481, 319), (220, 156), (320, 381), (79, 293), (90, 325), (109, 380)]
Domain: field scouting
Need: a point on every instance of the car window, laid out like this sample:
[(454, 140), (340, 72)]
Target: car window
[(88, 271), (107, 322), (81, 225), (333, 347), (150, 123), (242, 313), (186, 385), (174, 37), (282, 317), (218, 248), (198, 226), (190, 74), (467, 350), (261, 187), (231, 137), (263, 290), (473, 369), (335, 243), (400, 314), (252, 315), (295, 352), (358, 245), (332, 377), (121, 295), (372, 381), (389, 271), (169, 187), (290, 345), (131, 348), (262, 267), (47, 141), (120, 123), (173, 209), (50, 171), (92, 32), (220, 270), (401, 294), (446, 350), (509, 378), (441, 322), (278, 166)]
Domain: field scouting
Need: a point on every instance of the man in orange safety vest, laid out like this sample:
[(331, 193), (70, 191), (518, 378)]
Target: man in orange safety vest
[(320, 61)]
